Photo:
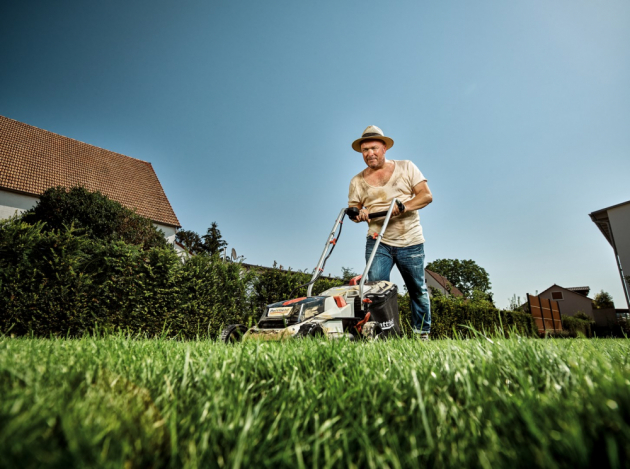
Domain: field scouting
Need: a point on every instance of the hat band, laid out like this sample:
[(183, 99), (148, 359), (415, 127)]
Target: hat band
[(373, 134)]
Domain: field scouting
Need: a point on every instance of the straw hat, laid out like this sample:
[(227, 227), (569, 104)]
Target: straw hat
[(372, 133)]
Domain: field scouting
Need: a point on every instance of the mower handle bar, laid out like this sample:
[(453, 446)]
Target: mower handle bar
[(353, 212)]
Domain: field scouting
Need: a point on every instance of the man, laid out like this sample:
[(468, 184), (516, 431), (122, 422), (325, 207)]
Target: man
[(372, 190)]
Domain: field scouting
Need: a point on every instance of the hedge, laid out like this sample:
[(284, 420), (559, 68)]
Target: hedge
[(61, 282), (577, 327), (272, 285), (451, 316)]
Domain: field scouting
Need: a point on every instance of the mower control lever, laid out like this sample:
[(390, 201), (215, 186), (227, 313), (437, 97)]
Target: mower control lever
[(353, 212)]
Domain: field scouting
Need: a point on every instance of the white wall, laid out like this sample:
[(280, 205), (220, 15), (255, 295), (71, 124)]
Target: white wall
[(431, 282), (12, 203), (169, 232), (620, 224)]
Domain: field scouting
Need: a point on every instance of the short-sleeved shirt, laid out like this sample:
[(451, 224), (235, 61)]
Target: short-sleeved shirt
[(403, 230)]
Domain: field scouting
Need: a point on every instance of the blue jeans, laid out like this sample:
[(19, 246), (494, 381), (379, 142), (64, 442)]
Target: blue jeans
[(410, 263)]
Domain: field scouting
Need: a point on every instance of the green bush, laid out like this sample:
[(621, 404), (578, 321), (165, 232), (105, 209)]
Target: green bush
[(576, 326), (273, 285), (60, 283), (42, 284), (94, 215), (450, 316)]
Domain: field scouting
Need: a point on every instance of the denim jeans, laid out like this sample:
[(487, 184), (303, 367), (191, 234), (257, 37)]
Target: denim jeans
[(410, 263)]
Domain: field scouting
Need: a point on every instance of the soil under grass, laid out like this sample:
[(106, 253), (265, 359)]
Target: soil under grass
[(115, 401)]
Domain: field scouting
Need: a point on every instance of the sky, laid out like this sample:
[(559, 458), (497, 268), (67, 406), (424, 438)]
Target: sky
[(517, 113)]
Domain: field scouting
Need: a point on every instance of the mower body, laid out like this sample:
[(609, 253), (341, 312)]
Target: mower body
[(335, 313)]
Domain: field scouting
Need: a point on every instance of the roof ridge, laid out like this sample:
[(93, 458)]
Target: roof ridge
[(74, 139), (33, 159)]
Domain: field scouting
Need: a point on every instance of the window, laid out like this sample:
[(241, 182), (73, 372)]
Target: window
[(556, 295)]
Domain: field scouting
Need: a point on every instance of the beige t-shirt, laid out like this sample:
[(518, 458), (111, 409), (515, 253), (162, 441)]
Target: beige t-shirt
[(403, 230)]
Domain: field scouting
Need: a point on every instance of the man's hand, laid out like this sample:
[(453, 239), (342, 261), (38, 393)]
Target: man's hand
[(363, 215), (396, 211)]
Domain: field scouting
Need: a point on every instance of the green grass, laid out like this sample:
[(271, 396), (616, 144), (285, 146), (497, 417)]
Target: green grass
[(114, 401)]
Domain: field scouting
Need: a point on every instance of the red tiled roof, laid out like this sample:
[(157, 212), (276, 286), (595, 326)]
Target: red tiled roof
[(444, 282), (32, 160)]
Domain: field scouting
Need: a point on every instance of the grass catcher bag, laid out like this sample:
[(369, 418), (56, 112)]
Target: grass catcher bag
[(384, 308)]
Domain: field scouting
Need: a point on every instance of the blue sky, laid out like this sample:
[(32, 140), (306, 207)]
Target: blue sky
[(518, 113)]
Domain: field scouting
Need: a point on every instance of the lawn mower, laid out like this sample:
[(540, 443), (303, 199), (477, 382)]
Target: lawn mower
[(361, 309)]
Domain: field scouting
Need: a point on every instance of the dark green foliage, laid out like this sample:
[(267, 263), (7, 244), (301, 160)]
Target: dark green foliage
[(465, 275), (603, 300), (212, 240), (55, 282), (190, 240), (577, 326), (347, 274), (210, 243), (94, 215), (42, 283), (273, 285), (450, 316)]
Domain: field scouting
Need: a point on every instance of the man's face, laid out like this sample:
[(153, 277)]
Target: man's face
[(373, 153)]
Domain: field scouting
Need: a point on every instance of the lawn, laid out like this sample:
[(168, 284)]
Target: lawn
[(115, 401)]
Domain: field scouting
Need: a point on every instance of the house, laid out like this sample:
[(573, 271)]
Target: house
[(571, 300), (614, 223), (575, 300), (441, 284), (33, 160)]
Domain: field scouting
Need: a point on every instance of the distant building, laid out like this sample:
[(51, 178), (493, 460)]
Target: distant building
[(441, 284), (33, 160), (574, 300), (614, 223), (571, 300)]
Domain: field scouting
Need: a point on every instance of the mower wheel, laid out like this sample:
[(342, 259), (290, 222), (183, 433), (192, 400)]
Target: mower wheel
[(233, 333), (310, 330), (371, 330)]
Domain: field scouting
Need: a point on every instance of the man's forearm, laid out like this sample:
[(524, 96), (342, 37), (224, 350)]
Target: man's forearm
[(418, 202)]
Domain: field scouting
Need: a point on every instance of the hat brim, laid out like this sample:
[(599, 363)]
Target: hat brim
[(356, 145)]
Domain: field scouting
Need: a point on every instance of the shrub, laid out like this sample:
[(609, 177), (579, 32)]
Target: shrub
[(273, 285), (577, 326), (603, 300), (42, 284), (95, 215), (455, 315), (58, 282)]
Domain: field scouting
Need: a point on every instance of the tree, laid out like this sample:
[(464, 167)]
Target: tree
[(347, 274), (212, 240), (93, 214), (516, 304), (190, 240), (210, 243), (465, 275), (603, 300)]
